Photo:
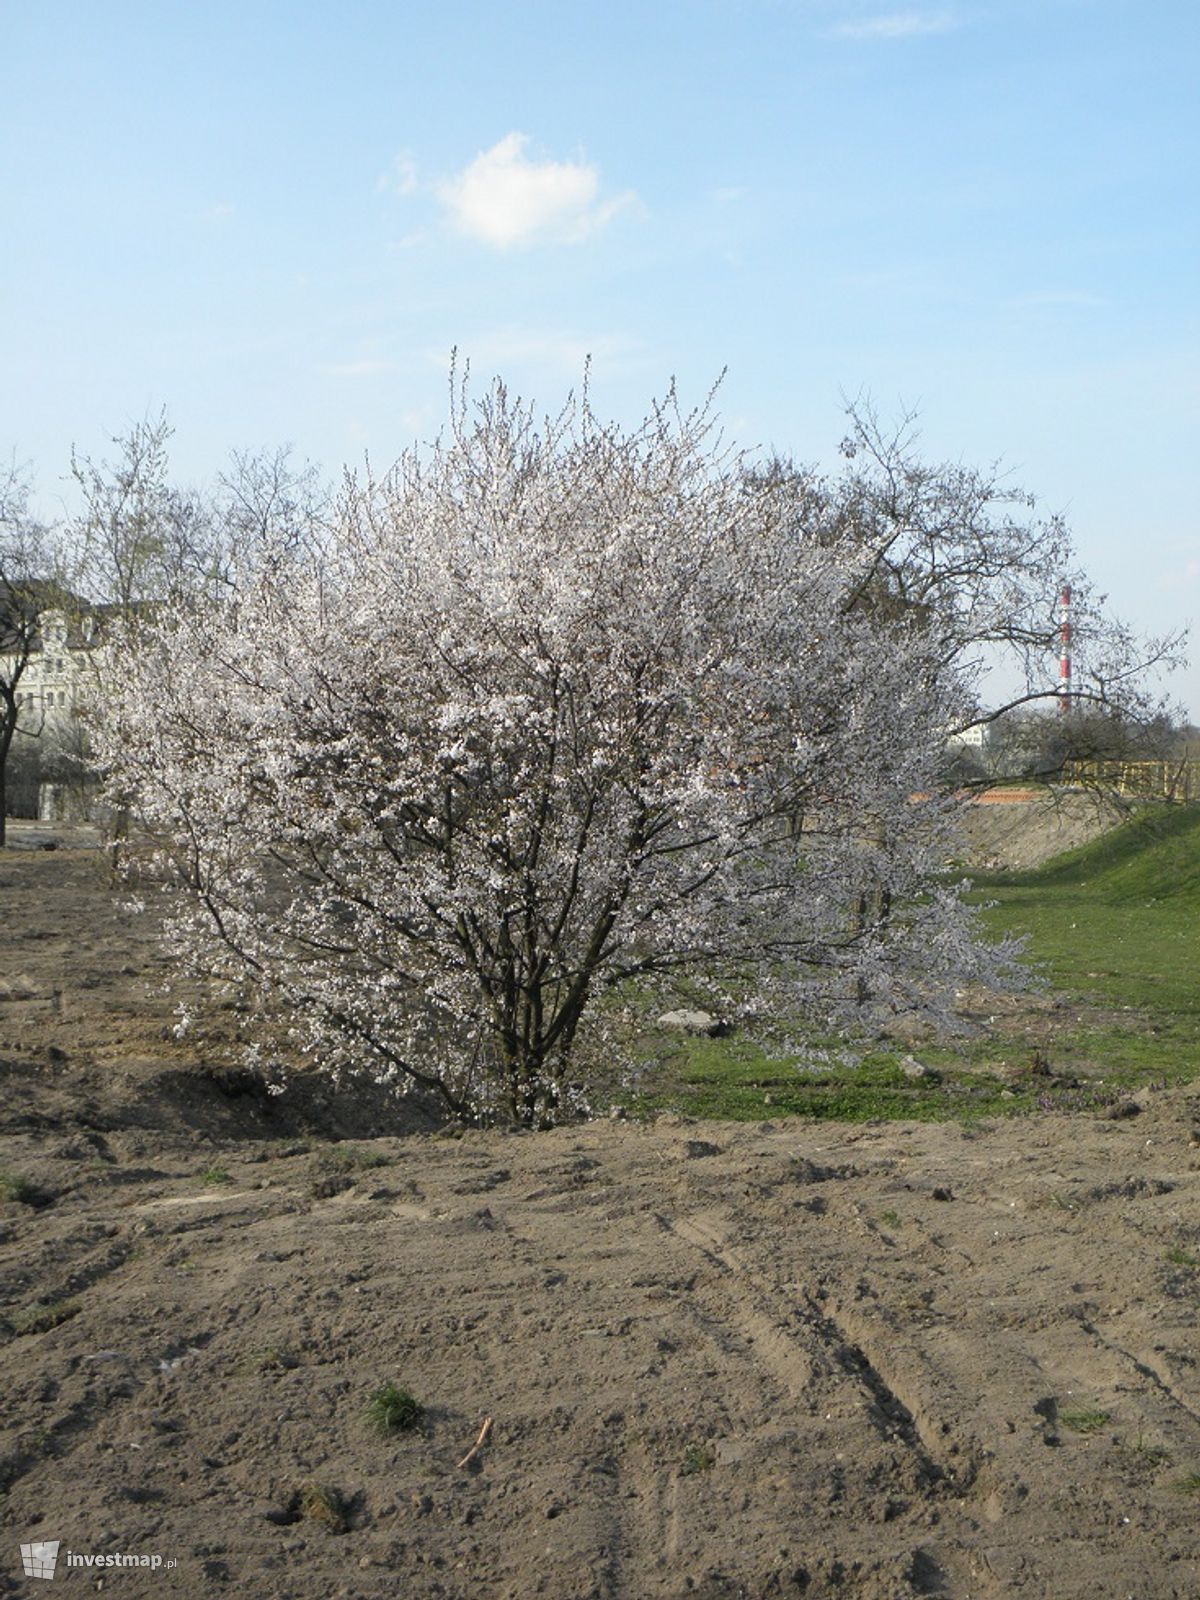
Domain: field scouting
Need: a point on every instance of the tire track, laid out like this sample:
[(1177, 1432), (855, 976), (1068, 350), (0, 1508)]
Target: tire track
[(841, 1346), (1145, 1367)]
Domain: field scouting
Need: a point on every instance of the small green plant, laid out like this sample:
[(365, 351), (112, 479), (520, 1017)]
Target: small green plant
[(1189, 1484), (15, 1189), (891, 1218), (40, 1317), (270, 1358), (394, 1409), (1083, 1419), (1039, 1064), (335, 1160), (371, 1158), (1179, 1257), (1140, 1454), (318, 1502), (214, 1175), (348, 1158), (697, 1458)]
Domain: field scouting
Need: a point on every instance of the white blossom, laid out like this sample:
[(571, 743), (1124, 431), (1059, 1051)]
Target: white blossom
[(546, 709)]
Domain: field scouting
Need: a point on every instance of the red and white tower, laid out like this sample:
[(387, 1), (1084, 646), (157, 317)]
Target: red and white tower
[(1064, 649)]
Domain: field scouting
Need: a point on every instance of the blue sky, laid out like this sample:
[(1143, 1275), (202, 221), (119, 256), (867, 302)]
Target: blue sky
[(277, 219)]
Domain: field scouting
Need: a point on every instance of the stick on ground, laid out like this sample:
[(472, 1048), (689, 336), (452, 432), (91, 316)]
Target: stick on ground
[(479, 1443)]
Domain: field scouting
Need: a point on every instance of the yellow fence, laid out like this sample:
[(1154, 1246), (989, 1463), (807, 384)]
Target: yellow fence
[(1169, 780)]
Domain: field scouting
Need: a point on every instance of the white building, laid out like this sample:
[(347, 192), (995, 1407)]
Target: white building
[(59, 673), (977, 737), (60, 667)]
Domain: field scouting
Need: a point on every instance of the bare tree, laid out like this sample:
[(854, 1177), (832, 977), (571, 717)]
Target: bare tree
[(265, 500), (139, 539), (30, 584), (143, 541), (965, 550)]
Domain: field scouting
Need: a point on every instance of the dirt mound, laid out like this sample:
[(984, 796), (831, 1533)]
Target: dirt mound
[(90, 1038), (720, 1360), (1027, 831)]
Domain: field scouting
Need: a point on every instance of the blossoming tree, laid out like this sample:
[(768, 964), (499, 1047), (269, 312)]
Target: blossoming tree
[(550, 709)]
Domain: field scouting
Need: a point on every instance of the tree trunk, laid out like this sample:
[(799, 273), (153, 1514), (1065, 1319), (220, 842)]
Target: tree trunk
[(6, 738)]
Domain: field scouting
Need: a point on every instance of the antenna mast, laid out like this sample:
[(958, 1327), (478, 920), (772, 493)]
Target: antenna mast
[(1064, 650)]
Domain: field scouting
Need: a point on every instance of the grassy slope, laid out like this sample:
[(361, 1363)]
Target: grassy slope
[(1117, 924), (1114, 925), (1119, 918)]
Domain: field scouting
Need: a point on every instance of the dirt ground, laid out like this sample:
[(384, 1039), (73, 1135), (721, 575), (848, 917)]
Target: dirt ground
[(1021, 829), (790, 1358)]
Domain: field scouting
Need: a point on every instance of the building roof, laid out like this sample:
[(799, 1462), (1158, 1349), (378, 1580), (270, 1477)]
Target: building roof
[(23, 605)]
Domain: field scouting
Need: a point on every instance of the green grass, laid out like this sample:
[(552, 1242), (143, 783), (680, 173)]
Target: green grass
[(269, 1358), (394, 1409), (1114, 924), (731, 1079), (1111, 927), (1115, 920), (14, 1188), (1083, 1419), (697, 1458), (41, 1317), (342, 1158), (1144, 1455)]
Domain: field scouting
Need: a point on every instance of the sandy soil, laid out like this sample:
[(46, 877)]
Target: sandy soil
[(1015, 833), (721, 1360)]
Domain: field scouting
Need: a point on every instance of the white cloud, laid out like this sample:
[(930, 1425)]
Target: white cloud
[(368, 367), (400, 177), (896, 25), (412, 240), (1058, 297), (504, 198)]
